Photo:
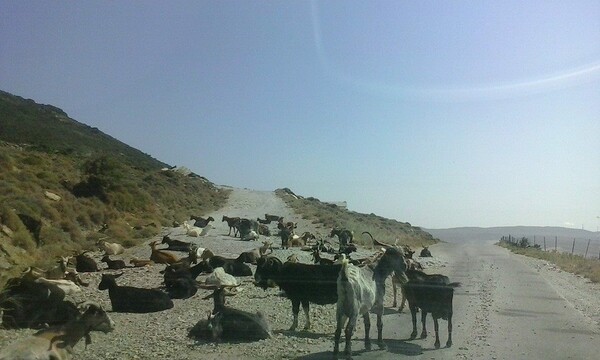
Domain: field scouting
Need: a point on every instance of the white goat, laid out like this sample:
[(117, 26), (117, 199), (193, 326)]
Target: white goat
[(220, 278), (195, 231), (111, 248), (57, 343), (67, 286), (360, 290), (356, 296)]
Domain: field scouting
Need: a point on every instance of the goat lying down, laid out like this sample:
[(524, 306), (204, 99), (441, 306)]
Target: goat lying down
[(57, 343)]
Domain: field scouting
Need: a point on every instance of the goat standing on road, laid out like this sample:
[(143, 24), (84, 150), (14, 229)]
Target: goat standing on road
[(359, 291)]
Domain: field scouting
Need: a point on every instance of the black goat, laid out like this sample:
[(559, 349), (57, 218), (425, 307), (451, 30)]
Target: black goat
[(431, 294), (232, 223), (302, 283), (231, 266), (273, 217), (176, 245), (113, 264), (344, 235), (30, 304), (200, 221), (84, 263), (425, 252), (316, 255), (229, 324), (132, 299)]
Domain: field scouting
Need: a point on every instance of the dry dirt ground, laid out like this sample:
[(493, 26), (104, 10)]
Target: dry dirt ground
[(509, 307)]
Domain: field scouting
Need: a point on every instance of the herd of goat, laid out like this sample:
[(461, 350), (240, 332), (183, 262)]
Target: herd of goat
[(36, 299)]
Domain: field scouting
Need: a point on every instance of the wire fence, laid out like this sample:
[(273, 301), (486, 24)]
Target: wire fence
[(587, 248)]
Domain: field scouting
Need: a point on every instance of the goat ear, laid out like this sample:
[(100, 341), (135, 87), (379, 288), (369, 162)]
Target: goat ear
[(118, 275)]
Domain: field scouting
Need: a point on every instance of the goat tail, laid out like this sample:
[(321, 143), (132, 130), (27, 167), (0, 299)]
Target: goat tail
[(455, 284)]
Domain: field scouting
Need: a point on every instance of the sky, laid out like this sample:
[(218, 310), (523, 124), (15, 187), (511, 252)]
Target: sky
[(437, 113)]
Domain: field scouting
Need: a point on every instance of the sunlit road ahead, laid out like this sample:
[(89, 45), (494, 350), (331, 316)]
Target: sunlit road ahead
[(504, 310)]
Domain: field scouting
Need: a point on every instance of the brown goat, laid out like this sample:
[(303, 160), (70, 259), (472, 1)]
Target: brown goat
[(161, 257)]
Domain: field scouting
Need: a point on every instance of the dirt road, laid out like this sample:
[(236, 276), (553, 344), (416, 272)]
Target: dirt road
[(509, 307)]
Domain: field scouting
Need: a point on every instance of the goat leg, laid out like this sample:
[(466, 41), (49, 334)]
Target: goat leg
[(380, 342), (367, 321), (341, 319), (436, 327), (306, 309), (423, 322), (413, 315), (449, 342), (348, 334), (295, 311), (394, 291)]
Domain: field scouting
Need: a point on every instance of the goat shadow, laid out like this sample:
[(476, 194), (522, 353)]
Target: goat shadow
[(393, 346), (303, 334)]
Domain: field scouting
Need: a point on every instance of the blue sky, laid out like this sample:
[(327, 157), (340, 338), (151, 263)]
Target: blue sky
[(438, 113)]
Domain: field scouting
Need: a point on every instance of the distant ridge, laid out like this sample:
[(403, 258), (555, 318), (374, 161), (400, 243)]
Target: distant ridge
[(468, 234)]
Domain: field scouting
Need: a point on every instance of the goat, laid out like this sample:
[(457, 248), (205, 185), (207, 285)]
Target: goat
[(200, 221), (360, 290), (58, 272), (249, 256), (110, 248), (316, 255), (66, 286), (264, 230), (30, 303), (273, 217), (247, 229), (229, 324), (179, 282), (84, 263), (195, 231), (57, 343), (220, 278), (302, 283), (425, 252), (176, 245), (285, 234), (113, 264), (231, 266), (264, 222), (431, 294), (132, 299), (292, 258), (140, 263), (232, 223), (267, 245), (74, 277), (161, 257), (345, 236)]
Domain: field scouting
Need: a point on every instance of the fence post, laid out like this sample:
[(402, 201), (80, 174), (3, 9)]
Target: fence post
[(555, 243), (533, 240), (544, 243), (587, 248), (573, 247)]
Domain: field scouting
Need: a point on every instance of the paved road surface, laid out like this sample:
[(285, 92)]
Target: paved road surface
[(504, 310)]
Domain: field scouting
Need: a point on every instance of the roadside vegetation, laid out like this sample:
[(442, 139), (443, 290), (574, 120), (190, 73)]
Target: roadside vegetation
[(331, 215), (575, 264)]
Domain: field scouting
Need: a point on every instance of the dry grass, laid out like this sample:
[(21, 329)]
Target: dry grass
[(330, 215), (575, 264), (138, 201)]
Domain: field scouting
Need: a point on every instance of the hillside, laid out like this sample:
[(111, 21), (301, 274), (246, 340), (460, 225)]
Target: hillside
[(81, 185), (49, 129), (466, 234)]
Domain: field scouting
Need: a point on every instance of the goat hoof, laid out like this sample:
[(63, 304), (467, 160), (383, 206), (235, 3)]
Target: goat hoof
[(449, 344), (368, 346), (382, 345), (423, 335), (437, 344), (413, 335)]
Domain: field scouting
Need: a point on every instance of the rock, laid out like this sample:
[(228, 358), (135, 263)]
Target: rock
[(52, 196)]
